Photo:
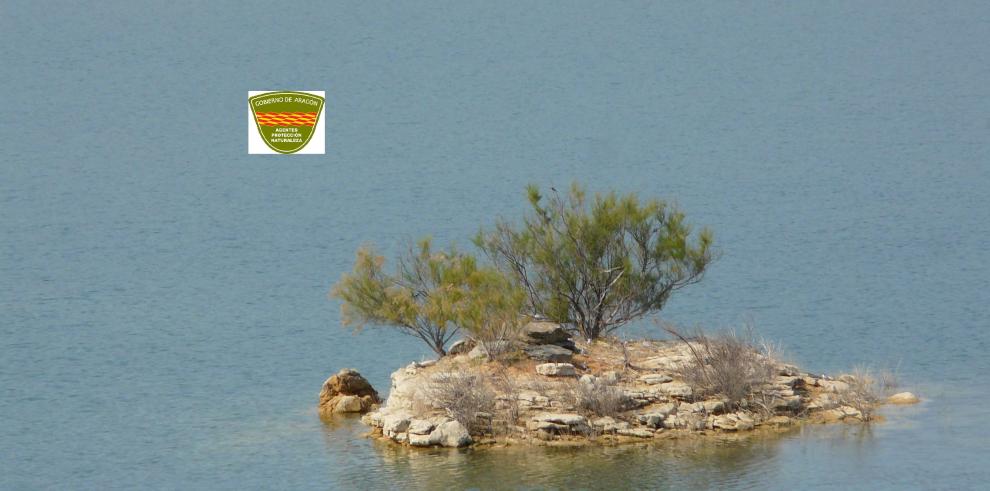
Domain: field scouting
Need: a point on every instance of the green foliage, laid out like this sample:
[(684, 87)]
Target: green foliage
[(598, 263), (431, 295), (491, 310)]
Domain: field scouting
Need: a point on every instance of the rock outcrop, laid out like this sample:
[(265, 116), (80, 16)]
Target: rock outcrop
[(541, 341), (398, 421), (596, 398), (556, 370), (548, 353), (547, 342), (903, 398), (542, 332), (450, 434), (347, 392)]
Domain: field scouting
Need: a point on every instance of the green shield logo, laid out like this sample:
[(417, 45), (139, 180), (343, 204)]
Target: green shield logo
[(286, 120)]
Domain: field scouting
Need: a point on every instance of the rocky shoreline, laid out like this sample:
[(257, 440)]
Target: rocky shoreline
[(548, 390)]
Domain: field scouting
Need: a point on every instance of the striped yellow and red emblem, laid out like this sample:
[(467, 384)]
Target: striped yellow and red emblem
[(286, 119)]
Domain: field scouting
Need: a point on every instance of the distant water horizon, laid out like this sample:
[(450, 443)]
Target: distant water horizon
[(164, 319)]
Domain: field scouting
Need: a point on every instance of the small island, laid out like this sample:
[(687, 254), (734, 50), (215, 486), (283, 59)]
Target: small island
[(606, 392), (540, 363)]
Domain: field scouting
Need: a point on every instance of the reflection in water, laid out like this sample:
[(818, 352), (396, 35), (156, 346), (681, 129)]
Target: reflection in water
[(691, 462)]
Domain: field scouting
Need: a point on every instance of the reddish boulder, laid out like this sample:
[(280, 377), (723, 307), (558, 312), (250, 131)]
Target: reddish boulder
[(347, 392)]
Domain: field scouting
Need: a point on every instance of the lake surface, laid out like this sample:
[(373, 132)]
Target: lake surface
[(163, 311)]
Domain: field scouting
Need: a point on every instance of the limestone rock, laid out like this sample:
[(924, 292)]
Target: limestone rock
[(395, 424), (666, 409), (655, 379), (835, 386), (787, 403), (635, 432), (679, 421), (639, 398), (418, 440), (652, 419), (744, 422), (842, 413), (348, 404), (714, 407), (347, 392), (903, 398), (779, 421), (408, 385), (705, 407), (780, 391), (569, 419), (547, 426), (608, 424), (733, 422), (548, 353), (556, 370), (790, 382), (450, 434), (420, 427), (676, 389), (543, 332), (532, 399), (823, 401), (491, 349), (545, 409), (672, 422), (557, 423), (373, 418)]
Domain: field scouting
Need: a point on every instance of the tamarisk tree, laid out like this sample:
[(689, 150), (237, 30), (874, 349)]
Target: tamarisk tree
[(418, 298), (601, 262), (491, 311), (431, 295)]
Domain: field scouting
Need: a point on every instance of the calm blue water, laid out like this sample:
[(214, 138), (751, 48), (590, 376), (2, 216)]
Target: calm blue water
[(163, 311)]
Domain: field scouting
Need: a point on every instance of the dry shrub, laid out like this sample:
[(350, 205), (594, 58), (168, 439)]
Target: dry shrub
[(507, 405), (500, 350), (867, 389), (561, 390), (546, 386), (462, 396), (727, 364), (600, 398)]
